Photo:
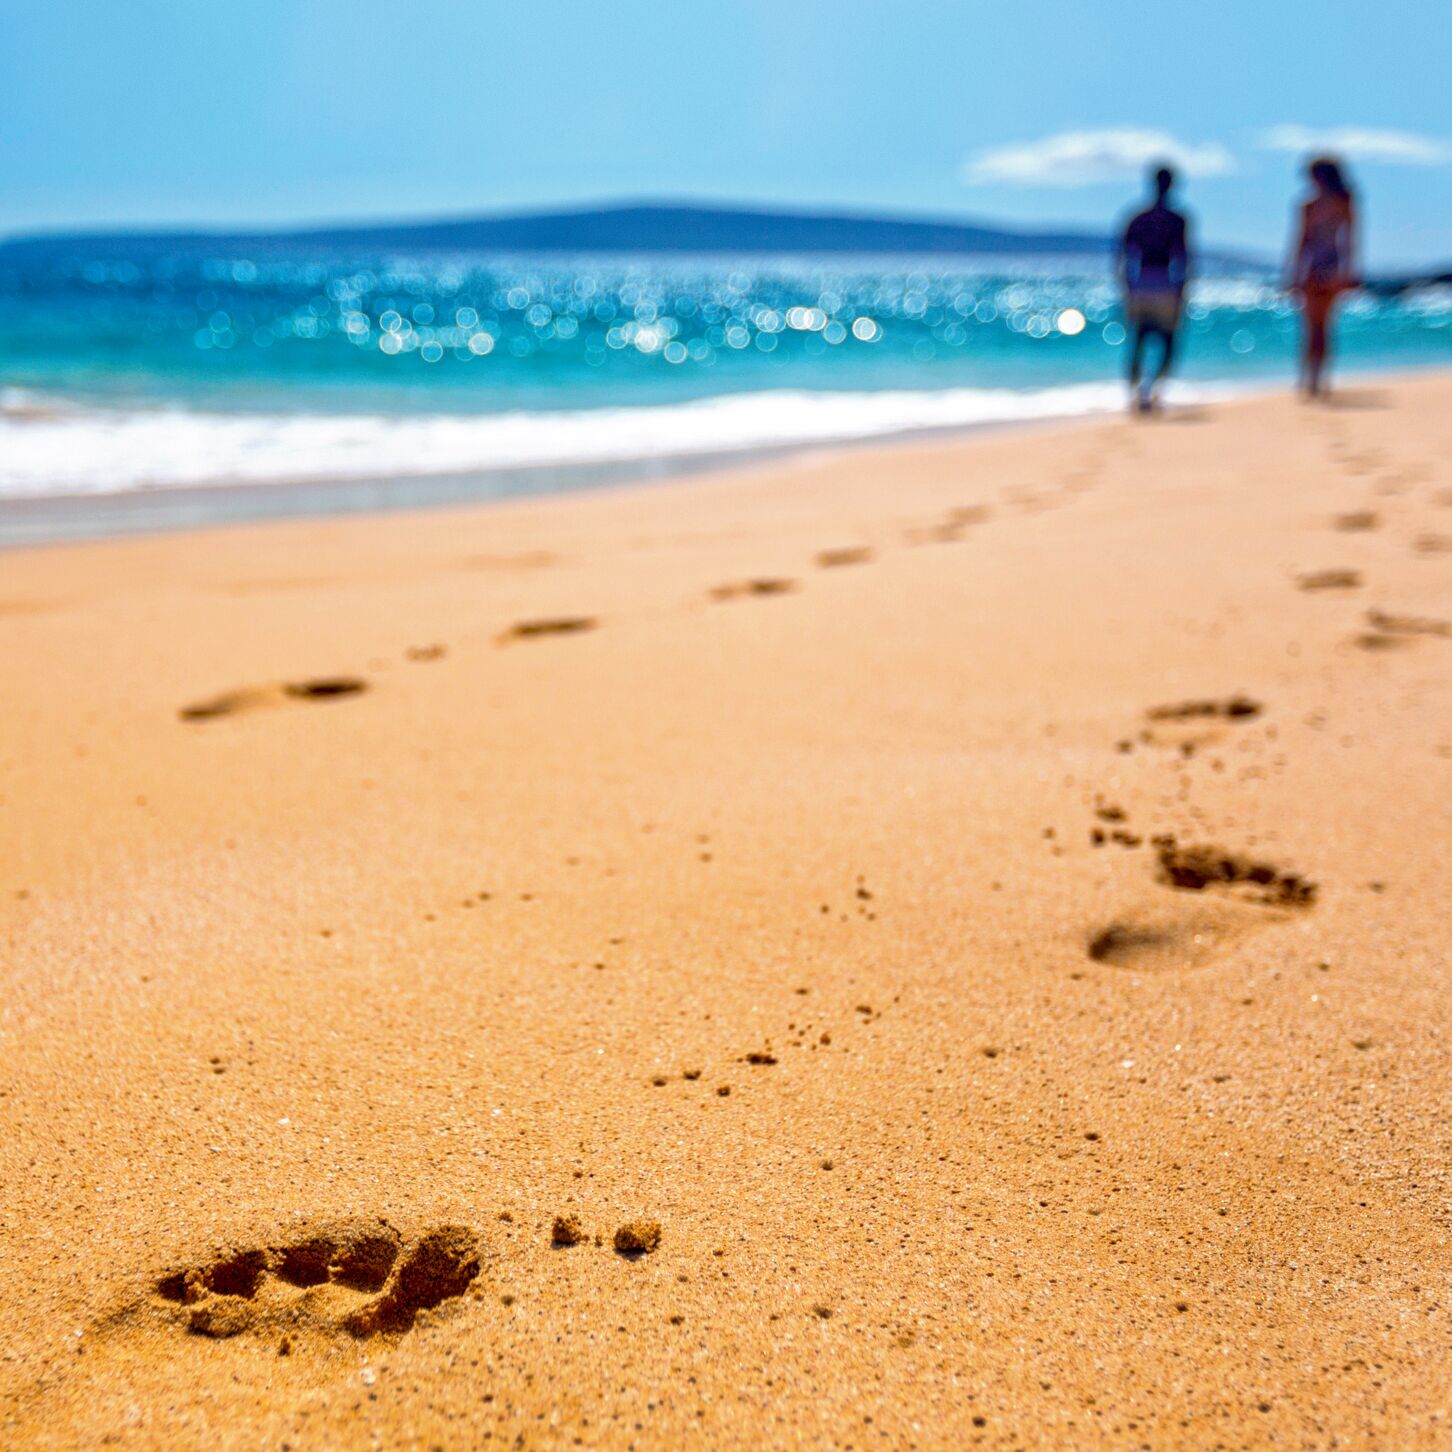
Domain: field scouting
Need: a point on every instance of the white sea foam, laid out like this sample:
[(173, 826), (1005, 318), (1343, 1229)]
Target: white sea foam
[(49, 449)]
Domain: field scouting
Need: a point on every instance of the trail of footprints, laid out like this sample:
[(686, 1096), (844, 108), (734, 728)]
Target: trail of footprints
[(1384, 630), (331, 688), (367, 1279)]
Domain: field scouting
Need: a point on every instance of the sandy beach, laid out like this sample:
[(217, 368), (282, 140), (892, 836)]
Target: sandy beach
[(971, 916)]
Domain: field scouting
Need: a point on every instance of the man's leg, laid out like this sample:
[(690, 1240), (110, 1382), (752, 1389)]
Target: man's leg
[(1136, 356), (1144, 393), (1168, 338)]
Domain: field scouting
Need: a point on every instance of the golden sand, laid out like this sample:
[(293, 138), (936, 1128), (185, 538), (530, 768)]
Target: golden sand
[(994, 993)]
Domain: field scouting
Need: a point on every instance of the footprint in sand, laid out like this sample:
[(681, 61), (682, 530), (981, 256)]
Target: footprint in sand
[(358, 1279), (744, 589), (1329, 580), (1192, 868), (851, 555), (1243, 896), (548, 625), (249, 698), (1393, 632), (951, 528), (1407, 624), (1361, 462), (1189, 725), (965, 514), (1155, 938), (1226, 708), (944, 533), (1358, 520), (1379, 640), (1433, 544)]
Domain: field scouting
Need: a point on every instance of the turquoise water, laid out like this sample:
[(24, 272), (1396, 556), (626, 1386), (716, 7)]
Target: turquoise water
[(190, 370)]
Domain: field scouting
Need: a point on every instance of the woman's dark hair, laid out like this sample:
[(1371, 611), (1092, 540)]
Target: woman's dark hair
[(1326, 172)]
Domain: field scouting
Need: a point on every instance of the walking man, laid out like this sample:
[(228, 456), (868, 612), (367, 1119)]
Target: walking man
[(1154, 264)]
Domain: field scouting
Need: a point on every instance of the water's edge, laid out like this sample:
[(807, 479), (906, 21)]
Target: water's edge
[(358, 465), (79, 516)]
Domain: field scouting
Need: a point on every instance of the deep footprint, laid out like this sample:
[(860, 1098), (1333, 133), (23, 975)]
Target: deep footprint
[(1193, 868), (947, 531), (1389, 624), (1187, 726), (1239, 896), (230, 703), (550, 625), (357, 1279), (439, 1268), (1330, 580), (324, 688), (742, 589), (1357, 520), (850, 555), (1162, 937), (1231, 708)]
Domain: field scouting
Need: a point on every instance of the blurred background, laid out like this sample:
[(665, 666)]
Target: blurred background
[(391, 254)]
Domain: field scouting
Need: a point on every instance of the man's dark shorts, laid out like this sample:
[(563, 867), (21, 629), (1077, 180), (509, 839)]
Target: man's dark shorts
[(1158, 311)]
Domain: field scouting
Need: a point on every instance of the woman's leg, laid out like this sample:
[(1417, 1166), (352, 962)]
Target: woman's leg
[(1332, 296), (1318, 303)]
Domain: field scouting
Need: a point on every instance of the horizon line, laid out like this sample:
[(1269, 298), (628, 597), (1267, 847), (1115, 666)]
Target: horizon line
[(843, 211)]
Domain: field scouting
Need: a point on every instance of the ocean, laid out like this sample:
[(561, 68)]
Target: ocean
[(367, 382)]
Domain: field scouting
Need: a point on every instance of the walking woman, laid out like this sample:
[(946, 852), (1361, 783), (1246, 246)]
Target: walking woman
[(1322, 263)]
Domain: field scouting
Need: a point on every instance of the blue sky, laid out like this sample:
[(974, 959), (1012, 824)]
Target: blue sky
[(278, 111)]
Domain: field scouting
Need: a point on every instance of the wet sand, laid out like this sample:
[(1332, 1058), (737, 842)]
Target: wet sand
[(921, 947)]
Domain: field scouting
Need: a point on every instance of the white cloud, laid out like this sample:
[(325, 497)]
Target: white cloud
[(1086, 158), (1361, 143)]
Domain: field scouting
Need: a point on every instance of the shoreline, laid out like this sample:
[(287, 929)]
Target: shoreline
[(27, 520), (970, 912), (30, 520)]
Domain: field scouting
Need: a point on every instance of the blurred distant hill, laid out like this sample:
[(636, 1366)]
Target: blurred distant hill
[(646, 228), (626, 228)]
